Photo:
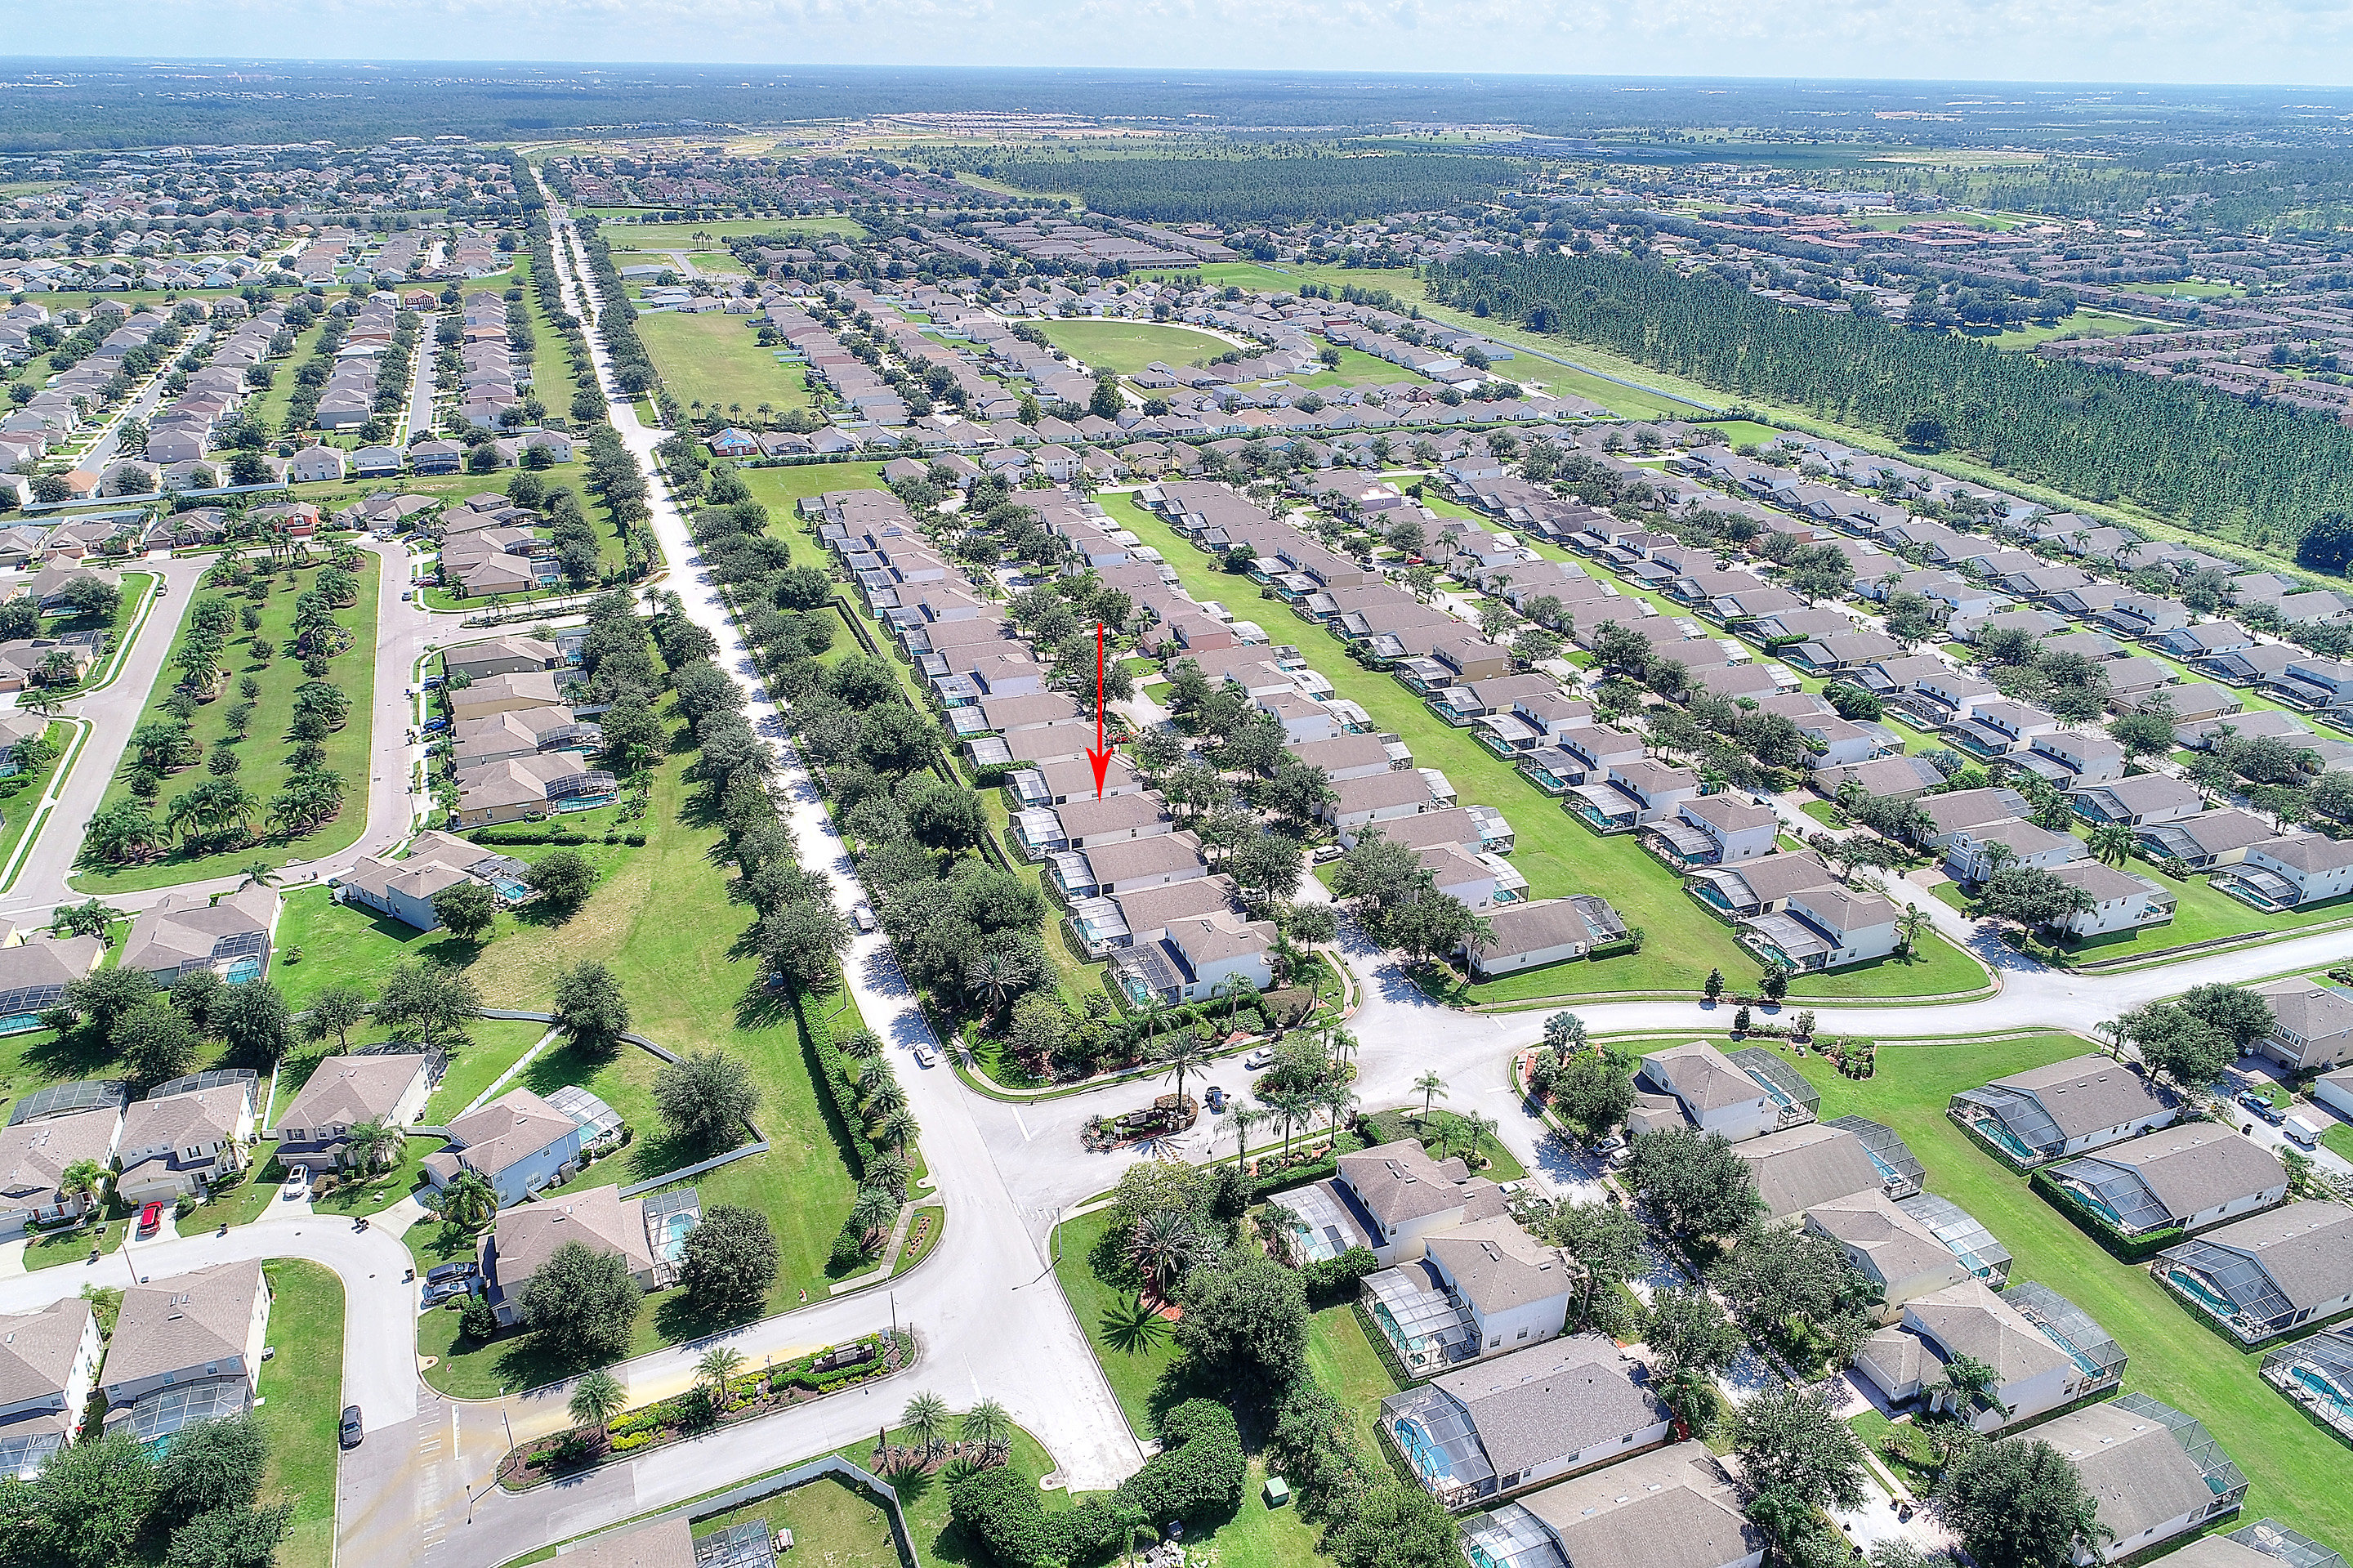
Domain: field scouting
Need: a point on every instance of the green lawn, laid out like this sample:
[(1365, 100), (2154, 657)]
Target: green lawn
[(1128, 346), (1344, 1363), (699, 235), (264, 750), (499, 1043), (835, 1524), (1356, 368), (269, 409), (2297, 1471), (1555, 852), (716, 360), (20, 795), (1745, 432), (302, 1403), (2082, 324), (1135, 1373), (781, 488), (2185, 289), (661, 920)]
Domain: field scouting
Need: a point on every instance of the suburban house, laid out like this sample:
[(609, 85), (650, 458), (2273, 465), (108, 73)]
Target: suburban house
[(2121, 900), (1672, 1508), (1492, 1429), (345, 1092), (186, 1136), (38, 1149), (1904, 1257), (182, 932), (499, 656), (2290, 871), (1531, 934), (2044, 1350), (405, 889), (1825, 927), (1973, 854), (48, 1359), (2153, 1472), (1197, 958), (518, 788), (527, 1236), (497, 694), (1799, 1167), (2208, 841), (34, 974), (2312, 1024), (1713, 829), (1715, 1095), (2142, 800), (2191, 1178), (1512, 1290), (1387, 1199), (186, 1350), (2269, 1273), (2072, 1106), (1760, 886), (519, 1142)]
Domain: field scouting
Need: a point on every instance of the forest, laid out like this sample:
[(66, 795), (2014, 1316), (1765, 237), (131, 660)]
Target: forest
[(1330, 189), (2197, 456)]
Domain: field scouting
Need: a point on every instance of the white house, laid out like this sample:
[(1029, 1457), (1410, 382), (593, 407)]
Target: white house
[(1715, 1096), (48, 1359), (183, 1141)]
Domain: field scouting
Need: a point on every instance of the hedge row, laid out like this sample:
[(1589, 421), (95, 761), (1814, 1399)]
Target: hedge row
[(839, 1082), (569, 836), (2125, 1248), (1198, 1474)]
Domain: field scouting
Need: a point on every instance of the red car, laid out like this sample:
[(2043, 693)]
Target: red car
[(149, 1218)]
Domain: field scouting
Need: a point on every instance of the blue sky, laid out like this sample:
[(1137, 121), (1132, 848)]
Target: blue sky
[(2308, 41)]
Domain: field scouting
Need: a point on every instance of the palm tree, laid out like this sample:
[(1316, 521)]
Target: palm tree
[(82, 1179), (1429, 1086), (1183, 1053), (992, 977), (257, 874), (927, 1416), (596, 1400), (874, 1210), (1996, 857), (1480, 1126), (986, 1425), (717, 1368), (1909, 925), (864, 1046), (888, 1097), (1968, 1380), (1337, 1100), (1130, 1327), (374, 1145), (896, 1131), (1692, 1396), (1289, 1110), (1163, 1247), (2111, 844), (1242, 1117), (469, 1200)]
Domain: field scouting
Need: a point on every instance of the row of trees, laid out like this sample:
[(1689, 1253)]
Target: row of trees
[(2186, 451), (111, 1499)]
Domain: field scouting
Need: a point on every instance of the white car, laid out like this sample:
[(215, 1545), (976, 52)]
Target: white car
[(1260, 1058), (298, 1182), (924, 1055), (862, 916)]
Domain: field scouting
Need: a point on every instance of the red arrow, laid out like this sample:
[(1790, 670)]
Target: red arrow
[(1101, 756)]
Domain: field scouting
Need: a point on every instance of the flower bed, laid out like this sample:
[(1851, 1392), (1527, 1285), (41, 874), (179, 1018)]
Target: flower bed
[(702, 1410)]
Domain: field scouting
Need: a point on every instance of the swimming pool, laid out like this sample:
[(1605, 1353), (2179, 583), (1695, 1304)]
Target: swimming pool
[(675, 1229), (242, 970)]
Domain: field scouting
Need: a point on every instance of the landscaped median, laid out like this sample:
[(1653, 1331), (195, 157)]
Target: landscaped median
[(707, 1407)]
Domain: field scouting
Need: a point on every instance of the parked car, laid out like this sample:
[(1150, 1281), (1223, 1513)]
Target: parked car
[(151, 1219), (434, 726), (298, 1182), (861, 916), (437, 1293), (440, 1273), (1327, 854), (2261, 1108), (352, 1431), (1259, 1059)]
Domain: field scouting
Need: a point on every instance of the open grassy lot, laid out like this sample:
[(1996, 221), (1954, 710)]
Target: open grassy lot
[(1128, 346), (1134, 1373), (264, 751), (704, 236), (1357, 369), (21, 795), (2297, 1471), (302, 1403), (834, 1524), (1555, 852), (716, 360), (2082, 324), (2186, 289), (661, 920), (782, 488), (1745, 432)]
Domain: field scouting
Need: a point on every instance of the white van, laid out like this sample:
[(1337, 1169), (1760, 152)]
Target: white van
[(2301, 1133)]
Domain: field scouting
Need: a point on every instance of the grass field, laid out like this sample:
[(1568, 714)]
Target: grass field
[(717, 361), (834, 1524), (1555, 852), (20, 795), (2082, 324), (302, 1403), (1745, 432), (701, 236), (1128, 346), (661, 919), (2297, 1471), (264, 750), (2187, 289)]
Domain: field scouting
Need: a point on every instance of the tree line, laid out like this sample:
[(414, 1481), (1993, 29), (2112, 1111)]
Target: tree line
[(2189, 453), (1264, 190)]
